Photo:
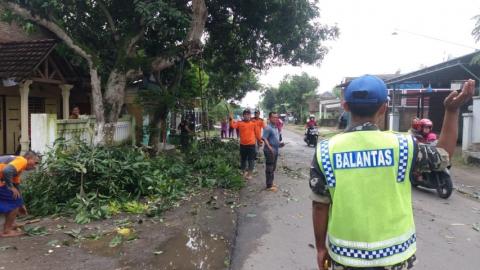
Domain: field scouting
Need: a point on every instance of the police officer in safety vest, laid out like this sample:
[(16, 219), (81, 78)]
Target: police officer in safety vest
[(360, 182)]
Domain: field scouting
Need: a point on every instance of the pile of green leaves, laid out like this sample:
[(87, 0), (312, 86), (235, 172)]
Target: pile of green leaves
[(97, 182), (216, 163)]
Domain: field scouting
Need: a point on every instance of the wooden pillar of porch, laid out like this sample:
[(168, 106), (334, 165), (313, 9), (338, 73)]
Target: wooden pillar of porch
[(66, 99), (24, 89)]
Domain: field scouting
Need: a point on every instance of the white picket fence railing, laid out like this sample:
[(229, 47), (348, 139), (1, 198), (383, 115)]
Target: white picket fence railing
[(46, 129)]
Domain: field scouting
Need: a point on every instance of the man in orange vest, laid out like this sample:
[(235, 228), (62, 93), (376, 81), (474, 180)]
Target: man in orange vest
[(249, 136), (11, 202)]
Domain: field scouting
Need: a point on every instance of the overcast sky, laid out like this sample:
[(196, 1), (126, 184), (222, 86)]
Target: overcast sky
[(366, 44)]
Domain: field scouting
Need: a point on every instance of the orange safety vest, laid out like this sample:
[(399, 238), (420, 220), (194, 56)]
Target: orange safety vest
[(20, 164)]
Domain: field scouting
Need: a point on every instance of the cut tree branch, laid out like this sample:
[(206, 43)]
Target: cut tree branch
[(53, 27), (105, 11), (193, 43)]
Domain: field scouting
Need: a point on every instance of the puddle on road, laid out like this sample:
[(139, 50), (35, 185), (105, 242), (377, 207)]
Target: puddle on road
[(192, 249), (101, 246)]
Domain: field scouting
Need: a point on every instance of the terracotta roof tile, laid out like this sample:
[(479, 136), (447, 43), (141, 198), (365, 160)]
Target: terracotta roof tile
[(19, 59)]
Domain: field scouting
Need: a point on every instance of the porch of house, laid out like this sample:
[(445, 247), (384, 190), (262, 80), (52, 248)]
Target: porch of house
[(34, 80)]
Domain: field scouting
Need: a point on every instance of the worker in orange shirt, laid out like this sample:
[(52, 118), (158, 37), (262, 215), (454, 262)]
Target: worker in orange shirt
[(258, 120), (260, 125), (249, 136), (11, 202)]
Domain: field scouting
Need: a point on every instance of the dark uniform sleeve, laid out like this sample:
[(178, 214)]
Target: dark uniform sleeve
[(318, 184), (8, 174)]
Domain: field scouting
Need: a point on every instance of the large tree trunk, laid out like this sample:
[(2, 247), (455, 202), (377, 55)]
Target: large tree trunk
[(115, 95), (114, 99), (193, 40), (107, 107), (158, 128), (98, 108)]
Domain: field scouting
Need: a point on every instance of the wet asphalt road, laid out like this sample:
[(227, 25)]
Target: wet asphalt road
[(275, 229)]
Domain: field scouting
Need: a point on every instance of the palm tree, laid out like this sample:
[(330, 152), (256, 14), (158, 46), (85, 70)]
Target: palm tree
[(476, 30), (476, 35)]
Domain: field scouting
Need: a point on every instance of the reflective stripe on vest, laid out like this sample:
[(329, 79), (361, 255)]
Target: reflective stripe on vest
[(372, 251), (403, 157), (326, 164), (368, 176)]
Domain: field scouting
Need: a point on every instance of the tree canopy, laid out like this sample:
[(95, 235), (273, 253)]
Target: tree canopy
[(121, 40), (291, 95)]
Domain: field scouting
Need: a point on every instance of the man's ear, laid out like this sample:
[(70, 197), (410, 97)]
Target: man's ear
[(383, 109), (345, 106)]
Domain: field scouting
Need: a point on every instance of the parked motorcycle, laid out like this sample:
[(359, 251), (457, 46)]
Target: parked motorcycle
[(438, 180), (311, 136)]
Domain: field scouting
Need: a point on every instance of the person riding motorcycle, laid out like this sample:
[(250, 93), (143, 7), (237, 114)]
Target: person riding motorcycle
[(426, 126), (311, 122), (415, 129)]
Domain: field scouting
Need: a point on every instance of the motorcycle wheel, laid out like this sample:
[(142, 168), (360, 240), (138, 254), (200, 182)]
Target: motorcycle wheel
[(445, 186)]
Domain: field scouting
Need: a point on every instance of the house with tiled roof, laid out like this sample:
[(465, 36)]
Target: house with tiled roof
[(34, 78)]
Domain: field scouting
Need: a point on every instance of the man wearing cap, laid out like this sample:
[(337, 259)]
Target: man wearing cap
[(360, 182)]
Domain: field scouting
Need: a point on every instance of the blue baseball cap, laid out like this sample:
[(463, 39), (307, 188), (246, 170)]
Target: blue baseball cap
[(366, 89)]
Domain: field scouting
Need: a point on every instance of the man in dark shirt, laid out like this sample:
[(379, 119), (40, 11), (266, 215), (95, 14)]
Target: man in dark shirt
[(271, 137), (184, 134)]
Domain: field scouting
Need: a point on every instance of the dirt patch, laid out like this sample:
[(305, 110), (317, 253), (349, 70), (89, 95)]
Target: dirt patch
[(198, 234)]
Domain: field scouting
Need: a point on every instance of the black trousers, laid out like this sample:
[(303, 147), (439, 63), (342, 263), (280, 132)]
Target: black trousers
[(247, 156), (270, 166)]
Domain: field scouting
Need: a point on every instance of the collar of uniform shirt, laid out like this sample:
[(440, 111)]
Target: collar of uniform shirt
[(362, 127)]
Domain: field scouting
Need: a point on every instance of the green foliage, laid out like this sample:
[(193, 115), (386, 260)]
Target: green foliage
[(157, 97), (93, 183), (220, 111), (269, 99), (337, 92), (292, 94), (218, 165), (135, 207), (89, 207)]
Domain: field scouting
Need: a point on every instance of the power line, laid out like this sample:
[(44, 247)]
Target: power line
[(395, 33)]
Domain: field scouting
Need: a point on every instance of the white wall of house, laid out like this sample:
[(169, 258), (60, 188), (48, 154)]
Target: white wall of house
[(325, 105), (476, 120), (46, 129), (471, 130)]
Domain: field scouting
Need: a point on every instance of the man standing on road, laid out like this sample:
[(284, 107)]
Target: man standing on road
[(249, 136), (271, 137), (362, 206)]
